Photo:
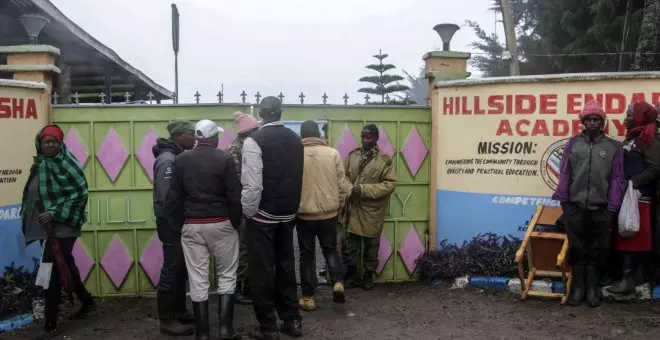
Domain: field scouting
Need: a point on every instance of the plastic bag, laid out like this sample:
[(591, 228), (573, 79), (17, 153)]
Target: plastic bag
[(45, 270), (629, 214)]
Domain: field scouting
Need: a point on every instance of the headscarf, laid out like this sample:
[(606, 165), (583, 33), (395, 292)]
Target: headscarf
[(644, 119), (62, 183)]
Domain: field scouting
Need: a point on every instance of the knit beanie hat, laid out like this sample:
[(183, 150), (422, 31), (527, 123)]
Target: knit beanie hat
[(245, 122), (592, 108)]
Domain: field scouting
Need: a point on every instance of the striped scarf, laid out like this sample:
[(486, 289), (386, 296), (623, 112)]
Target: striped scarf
[(62, 187)]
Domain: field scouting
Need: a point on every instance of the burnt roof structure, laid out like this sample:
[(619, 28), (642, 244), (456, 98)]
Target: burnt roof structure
[(87, 66)]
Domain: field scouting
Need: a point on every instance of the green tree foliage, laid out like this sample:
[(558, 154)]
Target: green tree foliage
[(569, 36), (384, 84)]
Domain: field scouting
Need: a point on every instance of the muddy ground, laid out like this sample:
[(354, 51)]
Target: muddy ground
[(399, 312)]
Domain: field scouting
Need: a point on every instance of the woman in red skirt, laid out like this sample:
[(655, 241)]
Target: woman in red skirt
[(642, 167)]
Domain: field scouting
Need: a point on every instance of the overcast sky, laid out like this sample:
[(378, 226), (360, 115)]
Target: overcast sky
[(271, 46)]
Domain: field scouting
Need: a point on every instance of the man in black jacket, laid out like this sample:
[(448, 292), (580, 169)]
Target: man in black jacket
[(272, 181), (172, 312), (207, 187)]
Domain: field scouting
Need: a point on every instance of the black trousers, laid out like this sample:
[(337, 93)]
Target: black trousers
[(326, 231), (173, 274), (272, 275), (53, 295), (589, 235)]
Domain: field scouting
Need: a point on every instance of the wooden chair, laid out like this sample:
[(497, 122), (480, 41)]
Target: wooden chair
[(546, 255)]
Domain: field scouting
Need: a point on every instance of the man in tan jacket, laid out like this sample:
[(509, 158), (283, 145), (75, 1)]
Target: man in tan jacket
[(324, 192), (372, 173)]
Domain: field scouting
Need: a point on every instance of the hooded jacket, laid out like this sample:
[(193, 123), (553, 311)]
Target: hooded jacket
[(325, 186), (165, 152)]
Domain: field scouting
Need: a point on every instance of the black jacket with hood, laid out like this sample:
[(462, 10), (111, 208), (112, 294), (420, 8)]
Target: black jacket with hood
[(165, 152)]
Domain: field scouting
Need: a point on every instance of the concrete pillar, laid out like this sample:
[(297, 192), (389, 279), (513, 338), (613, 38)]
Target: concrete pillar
[(445, 65), (34, 63)]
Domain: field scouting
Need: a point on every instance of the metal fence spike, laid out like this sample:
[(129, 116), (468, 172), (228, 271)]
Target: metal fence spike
[(302, 98), (55, 97), (102, 96), (220, 96), (243, 95), (76, 98), (281, 96), (346, 97), (325, 98), (127, 96), (387, 98), (150, 96), (197, 95), (258, 97), (366, 98)]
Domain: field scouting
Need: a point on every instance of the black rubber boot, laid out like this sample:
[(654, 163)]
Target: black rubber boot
[(201, 313), (181, 312), (87, 304), (226, 316), (292, 328), (577, 292), (594, 293), (352, 280), (168, 324), (368, 280), (265, 333), (627, 283)]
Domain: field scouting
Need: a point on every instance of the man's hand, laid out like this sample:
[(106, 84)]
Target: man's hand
[(356, 192), (45, 217)]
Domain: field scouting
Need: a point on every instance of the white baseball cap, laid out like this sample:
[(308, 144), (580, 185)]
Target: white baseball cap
[(206, 129)]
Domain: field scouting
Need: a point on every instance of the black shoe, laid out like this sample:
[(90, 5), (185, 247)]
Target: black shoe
[(185, 317), (261, 333), (201, 312), (83, 311), (226, 316), (594, 293), (351, 280), (292, 328), (169, 325), (627, 283), (368, 281), (241, 299), (49, 332), (576, 295)]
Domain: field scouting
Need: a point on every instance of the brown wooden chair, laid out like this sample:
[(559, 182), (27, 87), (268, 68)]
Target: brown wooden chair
[(546, 255)]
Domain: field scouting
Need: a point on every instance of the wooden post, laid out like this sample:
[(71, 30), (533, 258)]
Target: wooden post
[(510, 33)]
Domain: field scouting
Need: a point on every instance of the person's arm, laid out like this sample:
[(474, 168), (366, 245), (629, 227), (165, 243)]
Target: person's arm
[(251, 177), (343, 184), (561, 193), (163, 177), (652, 166), (617, 183), (172, 202), (233, 192), (384, 188)]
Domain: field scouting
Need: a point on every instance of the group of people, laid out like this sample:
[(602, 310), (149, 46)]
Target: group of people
[(239, 207), (594, 173)]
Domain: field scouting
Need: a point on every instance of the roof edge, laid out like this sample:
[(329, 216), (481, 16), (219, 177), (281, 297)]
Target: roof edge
[(50, 9), (22, 84), (550, 78)]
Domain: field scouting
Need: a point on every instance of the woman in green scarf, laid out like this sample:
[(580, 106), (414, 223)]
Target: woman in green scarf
[(53, 212)]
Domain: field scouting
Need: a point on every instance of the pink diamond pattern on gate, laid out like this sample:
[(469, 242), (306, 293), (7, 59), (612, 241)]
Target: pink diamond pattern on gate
[(384, 253), (384, 142), (84, 262), (74, 143), (112, 154), (346, 143), (116, 262), (226, 139), (152, 260), (145, 154), (411, 249), (414, 151)]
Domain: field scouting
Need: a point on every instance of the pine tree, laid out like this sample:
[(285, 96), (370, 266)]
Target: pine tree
[(383, 82), (645, 59)]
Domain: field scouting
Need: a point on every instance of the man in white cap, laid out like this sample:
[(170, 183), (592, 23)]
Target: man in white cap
[(207, 186)]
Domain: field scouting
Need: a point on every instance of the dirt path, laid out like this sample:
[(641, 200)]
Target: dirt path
[(401, 312)]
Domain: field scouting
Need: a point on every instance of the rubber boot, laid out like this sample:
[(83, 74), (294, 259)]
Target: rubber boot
[(226, 316), (265, 333), (594, 293), (181, 312), (201, 313), (627, 283), (368, 280), (168, 324), (87, 304), (352, 280), (577, 292), (292, 328), (338, 293)]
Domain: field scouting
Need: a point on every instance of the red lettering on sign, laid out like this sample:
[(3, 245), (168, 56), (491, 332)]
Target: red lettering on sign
[(615, 103), (447, 106), (525, 104), (464, 108), (5, 110), (18, 108), (477, 107), (31, 111), (548, 104), (589, 97), (638, 98), (519, 126), (560, 128), (573, 103), (495, 104), (509, 105), (540, 128), (504, 128), (655, 98)]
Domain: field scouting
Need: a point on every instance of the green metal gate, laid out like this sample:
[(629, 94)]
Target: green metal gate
[(119, 252)]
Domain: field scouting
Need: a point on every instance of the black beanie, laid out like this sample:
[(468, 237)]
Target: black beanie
[(371, 129)]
